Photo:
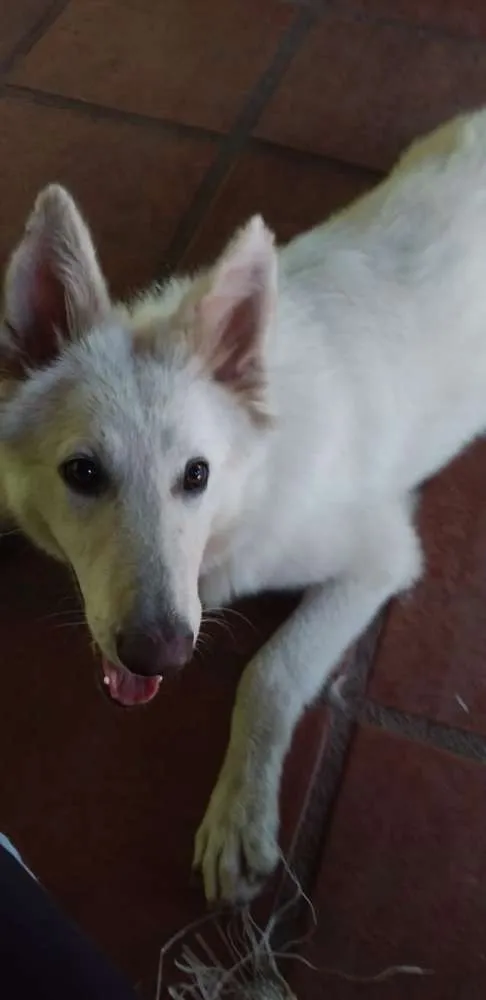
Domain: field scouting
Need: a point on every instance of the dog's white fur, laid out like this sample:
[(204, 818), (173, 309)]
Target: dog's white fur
[(323, 384)]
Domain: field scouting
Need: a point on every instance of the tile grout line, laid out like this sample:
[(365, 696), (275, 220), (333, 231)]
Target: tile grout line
[(104, 112), (232, 144), (310, 835), (325, 782), (304, 856), (32, 36), (422, 31), (322, 8), (419, 729), (259, 144)]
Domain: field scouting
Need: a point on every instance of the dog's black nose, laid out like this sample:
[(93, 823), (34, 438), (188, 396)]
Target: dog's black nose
[(156, 650)]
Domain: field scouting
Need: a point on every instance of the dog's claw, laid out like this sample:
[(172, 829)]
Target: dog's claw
[(236, 847)]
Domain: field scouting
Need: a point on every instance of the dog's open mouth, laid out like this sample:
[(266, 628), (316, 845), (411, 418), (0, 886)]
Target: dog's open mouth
[(126, 688)]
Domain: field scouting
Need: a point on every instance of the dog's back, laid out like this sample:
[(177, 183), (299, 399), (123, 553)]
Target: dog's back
[(384, 309)]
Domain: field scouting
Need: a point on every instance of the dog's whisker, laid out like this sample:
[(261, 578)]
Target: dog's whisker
[(70, 613), (9, 532), (221, 624), (75, 600), (202, 641), (79, 624), (76, 584), (236, 613), (214, 620)]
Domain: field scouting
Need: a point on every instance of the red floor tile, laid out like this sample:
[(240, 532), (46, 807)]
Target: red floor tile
[(432, 655), (468, 19), (132, 184), (185, 60), (402, 876), (17, 20), (292, 192), (360, 91)]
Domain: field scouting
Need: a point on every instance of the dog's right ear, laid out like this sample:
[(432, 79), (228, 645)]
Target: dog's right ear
[(54, 288)]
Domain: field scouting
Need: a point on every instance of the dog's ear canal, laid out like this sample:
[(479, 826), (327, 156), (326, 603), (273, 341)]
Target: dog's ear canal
[(237, 309), (54, 288)]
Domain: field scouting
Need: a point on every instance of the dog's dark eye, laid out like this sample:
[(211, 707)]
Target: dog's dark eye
[(84, 475), (196, 475)]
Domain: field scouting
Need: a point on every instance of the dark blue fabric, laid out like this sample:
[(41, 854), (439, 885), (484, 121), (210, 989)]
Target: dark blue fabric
[(43, 955)]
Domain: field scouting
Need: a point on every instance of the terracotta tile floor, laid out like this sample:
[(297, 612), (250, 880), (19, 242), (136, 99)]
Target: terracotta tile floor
[(172, 121)]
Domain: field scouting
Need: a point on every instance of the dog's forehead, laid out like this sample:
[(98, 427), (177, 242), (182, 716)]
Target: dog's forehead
[(132, 396), (118, 379)]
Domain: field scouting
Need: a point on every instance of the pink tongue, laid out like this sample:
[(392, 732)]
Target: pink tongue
[(126, 688)]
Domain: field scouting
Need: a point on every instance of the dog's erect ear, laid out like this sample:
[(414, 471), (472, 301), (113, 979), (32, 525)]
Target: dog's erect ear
[(237, 308), (54, 288)]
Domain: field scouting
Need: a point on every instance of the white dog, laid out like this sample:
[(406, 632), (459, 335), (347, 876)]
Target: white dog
[(261, 425)]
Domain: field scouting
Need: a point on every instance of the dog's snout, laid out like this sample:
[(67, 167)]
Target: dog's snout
[(155, 650)]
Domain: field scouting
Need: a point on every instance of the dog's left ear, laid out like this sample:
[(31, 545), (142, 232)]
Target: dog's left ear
[(236, 310), (54, 288)]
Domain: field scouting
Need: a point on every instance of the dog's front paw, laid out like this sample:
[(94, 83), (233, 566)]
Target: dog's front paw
[(236, 844)]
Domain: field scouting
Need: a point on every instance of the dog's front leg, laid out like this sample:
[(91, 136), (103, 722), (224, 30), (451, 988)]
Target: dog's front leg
[(237, 845)]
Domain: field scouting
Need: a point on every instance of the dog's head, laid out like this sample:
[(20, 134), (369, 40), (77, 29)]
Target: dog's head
[(130, 437)]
